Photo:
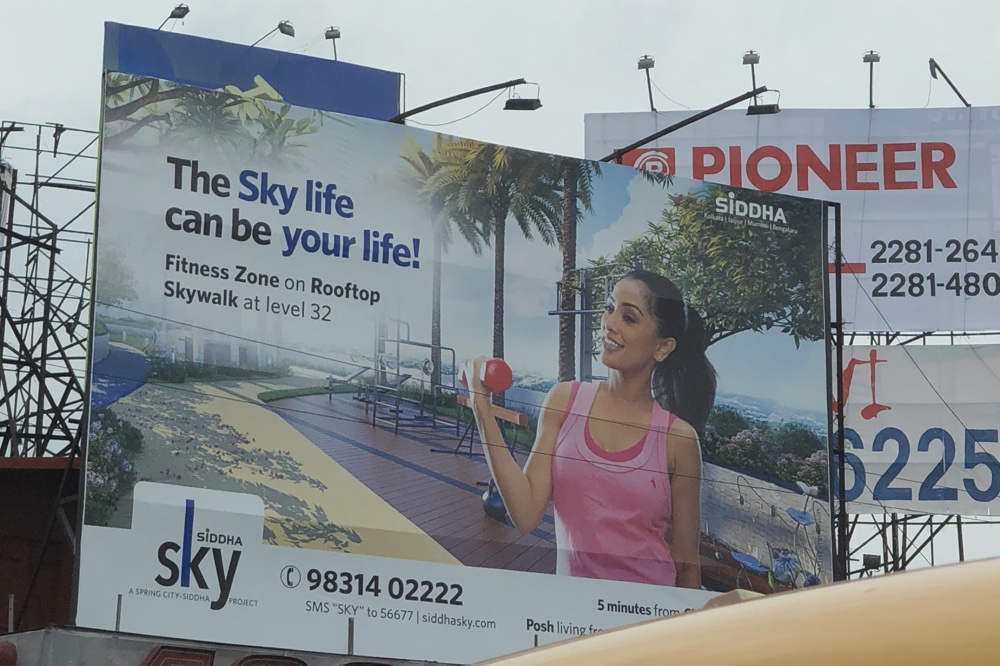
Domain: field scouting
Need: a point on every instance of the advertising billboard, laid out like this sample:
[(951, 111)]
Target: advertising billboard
[(319, 83), (288, 444), (920, 190), (921, 429)]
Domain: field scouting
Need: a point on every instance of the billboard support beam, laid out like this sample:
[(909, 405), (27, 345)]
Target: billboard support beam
[(617, 155), (399, 118), (935, 70)]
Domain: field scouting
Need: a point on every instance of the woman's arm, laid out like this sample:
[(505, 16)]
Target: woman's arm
[(684, 463), (526, 493)]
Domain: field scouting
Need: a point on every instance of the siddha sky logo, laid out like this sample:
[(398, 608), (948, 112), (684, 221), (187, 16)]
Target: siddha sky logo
[(194, 564), (755, 211)]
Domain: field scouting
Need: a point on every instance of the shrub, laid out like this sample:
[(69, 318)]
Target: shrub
[(113, 448)]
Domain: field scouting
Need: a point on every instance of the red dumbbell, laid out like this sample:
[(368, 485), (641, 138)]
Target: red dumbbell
[(495, 375)]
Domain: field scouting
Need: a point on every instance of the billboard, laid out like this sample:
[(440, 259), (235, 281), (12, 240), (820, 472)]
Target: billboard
[(921, 429), (283, 451), (319, 83), (919, 189)]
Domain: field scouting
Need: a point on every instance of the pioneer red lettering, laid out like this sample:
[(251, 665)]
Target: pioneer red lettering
[(806, 160), (698, 166), (852, 166), (892, 166), (735, 160), (932, 167), (855, 167), (784, 168)]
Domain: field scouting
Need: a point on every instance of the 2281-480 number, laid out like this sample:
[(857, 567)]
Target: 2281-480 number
[(915, 285), (405, 589)]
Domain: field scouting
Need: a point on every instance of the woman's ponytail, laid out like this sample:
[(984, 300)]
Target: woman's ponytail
[(683, 383)]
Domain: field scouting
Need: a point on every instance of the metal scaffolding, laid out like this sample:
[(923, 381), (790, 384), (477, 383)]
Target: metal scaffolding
[(46, 237)]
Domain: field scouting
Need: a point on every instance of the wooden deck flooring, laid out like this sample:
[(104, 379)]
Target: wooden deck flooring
[(438, 492)]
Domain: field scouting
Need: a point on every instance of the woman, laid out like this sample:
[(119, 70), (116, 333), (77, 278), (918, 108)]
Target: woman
[(620, 459)]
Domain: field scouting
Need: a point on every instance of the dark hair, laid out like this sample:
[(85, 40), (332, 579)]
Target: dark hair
[(684, 382)]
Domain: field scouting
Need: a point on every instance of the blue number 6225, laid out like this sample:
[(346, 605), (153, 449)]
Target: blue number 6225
[(929, 491)]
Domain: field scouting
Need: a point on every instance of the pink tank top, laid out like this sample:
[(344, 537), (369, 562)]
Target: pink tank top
[(611, 510)]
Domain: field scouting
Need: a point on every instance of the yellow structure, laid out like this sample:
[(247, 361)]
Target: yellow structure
[(941, 616)]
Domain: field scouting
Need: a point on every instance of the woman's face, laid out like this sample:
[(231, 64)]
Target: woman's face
[(631, 331)]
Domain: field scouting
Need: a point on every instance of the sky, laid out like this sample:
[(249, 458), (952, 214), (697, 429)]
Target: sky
[(581, 53)]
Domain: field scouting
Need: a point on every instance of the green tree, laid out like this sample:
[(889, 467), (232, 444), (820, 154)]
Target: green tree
[(114, 284), (740, 277), (446, 217), (490, 184), (231, 123)]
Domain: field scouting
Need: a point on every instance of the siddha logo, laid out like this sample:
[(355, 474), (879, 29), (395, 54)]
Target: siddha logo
[(733, 206), (196, 563), (218, 537)]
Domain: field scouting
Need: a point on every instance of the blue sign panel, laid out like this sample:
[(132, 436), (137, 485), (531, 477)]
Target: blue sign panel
[(317, 83)]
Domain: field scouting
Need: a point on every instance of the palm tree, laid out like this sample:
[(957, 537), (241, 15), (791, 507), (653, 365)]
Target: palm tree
[(577, 178), (491, 183), (444, 218)]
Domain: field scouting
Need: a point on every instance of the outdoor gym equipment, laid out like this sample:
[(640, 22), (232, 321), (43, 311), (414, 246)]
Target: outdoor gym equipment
[(591, 285), (493, 504), (385, 395)]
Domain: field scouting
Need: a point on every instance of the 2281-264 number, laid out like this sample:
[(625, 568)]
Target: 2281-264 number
[(406, 589), (915, 251), (929, 490)]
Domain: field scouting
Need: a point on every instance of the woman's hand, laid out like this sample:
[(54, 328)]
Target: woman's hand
[(479, 395)]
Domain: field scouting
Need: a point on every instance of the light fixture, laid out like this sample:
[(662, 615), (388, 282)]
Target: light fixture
[(524, 103), (646, 63), (333, 34), (935, 69), (752, 58), (871, 562), (871, 57), (757, 109), (284, 27), (179, 12)]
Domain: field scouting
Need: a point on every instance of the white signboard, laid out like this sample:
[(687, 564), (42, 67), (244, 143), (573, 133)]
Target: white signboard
[(193, 565), (921, 428), (920, 190), (278, 288)]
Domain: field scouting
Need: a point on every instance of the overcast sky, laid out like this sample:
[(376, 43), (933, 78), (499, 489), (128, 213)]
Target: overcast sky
[(582, 53)]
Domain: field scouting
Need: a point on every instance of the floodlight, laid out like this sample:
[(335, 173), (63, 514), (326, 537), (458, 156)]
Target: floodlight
[(178, 12), (935, 69), (284, 27), (763, 109), (872, 56), (522, 104), (646, 62), (751, 58), (871, 562)]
